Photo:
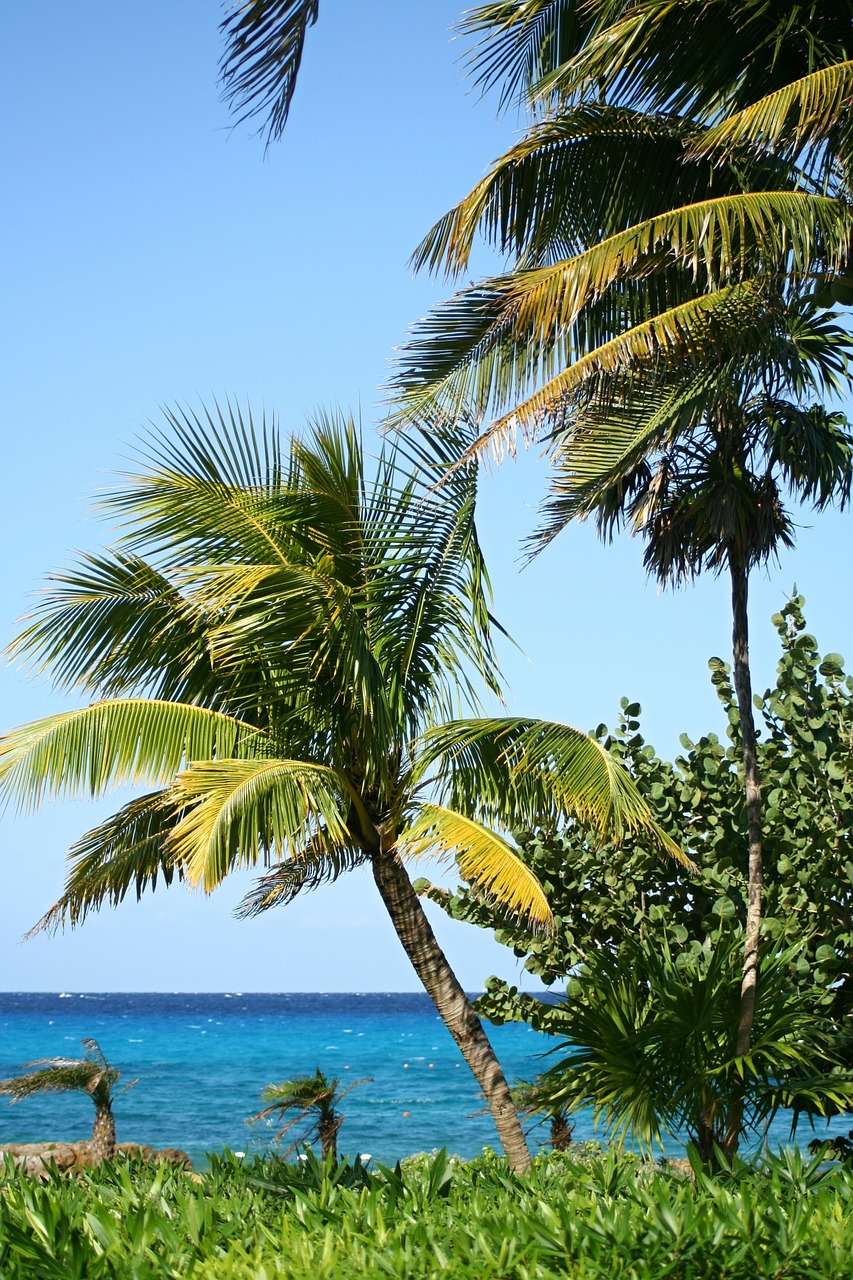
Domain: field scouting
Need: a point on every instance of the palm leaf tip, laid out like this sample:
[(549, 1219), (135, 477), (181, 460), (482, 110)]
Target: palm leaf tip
[(483, 858)]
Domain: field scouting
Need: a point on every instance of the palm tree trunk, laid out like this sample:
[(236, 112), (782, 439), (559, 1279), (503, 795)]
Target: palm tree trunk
[(328, 1134), (103, 1135), (561, 1132), (743, 693), (454, 1007)]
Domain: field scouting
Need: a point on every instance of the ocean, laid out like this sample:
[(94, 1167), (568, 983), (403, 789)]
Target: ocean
[(201, 1060)]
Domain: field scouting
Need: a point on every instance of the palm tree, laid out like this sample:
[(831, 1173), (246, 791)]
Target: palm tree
[(534, 1098), (653, 326), (284, 670), (314, 1098), (90, 1074)]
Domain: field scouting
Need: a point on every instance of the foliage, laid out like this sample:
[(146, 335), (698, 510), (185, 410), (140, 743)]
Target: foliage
[(614, 898), (281, 648), (591, 1218), (271, 670), (313, 1098), (652, 1044), (90, 1074), (656, 222)]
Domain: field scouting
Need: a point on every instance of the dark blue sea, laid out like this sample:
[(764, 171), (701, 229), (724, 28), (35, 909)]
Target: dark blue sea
[(201, 1060)]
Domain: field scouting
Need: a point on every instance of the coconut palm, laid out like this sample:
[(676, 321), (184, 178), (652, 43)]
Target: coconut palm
[(654, 327), (90, 1074), (644, 215), (286, 670), (313, 1098), (707, 493)]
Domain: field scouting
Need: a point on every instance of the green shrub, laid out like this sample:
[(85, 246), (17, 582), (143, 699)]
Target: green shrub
[(589, 1218)]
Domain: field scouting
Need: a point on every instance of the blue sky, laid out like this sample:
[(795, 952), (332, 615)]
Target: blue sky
[(153, 255)]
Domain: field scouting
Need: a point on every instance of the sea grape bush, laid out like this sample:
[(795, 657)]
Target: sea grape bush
[(590, 1219), (615, 897)]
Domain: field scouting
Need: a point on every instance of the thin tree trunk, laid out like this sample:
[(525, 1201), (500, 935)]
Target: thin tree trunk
[(328, 1133), (743, 693), (103, 1135), (561, 1133), (440, 983)]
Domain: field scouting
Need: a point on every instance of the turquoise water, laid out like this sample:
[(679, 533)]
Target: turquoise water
[(202, 1060)]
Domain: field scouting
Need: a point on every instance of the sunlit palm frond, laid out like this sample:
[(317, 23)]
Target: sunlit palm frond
[(242, 812), (485, 860), (212, 487), (128, 851), (480, 350), (115, 742), (519, 42), (572, 180), (704, 330), (496, 769), (799, 115), (265, 40)]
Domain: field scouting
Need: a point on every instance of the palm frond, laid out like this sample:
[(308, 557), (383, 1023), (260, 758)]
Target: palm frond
[(712, 327), (242, 812), (801, 114), (481, 349), (116, 624), (126, 852), (113, 743), (318, 864), (579, 178), (90, 1074), (213, 485), (520, 42), (699, 58), (496, 769), (265, 40), (485, 860)]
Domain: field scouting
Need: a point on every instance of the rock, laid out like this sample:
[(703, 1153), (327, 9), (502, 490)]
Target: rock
[(36, 1158)]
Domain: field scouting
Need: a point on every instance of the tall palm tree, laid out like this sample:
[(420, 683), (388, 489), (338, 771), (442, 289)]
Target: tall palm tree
[(284, 669), (313, 1098), (706, 491), (662, 221), (90, 1074)]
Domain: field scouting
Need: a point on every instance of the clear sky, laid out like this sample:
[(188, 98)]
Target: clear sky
[(151, 254)]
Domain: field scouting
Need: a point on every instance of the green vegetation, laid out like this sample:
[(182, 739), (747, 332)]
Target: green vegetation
[(588, 1218), (313, 1098), (620, 918), (278, 646), (91, 1074)]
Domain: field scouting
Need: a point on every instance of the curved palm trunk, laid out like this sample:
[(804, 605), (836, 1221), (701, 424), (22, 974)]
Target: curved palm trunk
[(743, 693), (440, 983), (103, 1134)]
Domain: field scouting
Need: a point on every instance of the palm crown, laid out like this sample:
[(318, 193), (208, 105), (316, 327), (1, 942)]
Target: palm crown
[(280, 670)]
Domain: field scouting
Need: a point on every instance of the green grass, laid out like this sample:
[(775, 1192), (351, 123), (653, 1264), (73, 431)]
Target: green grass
[(580, 1218)]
